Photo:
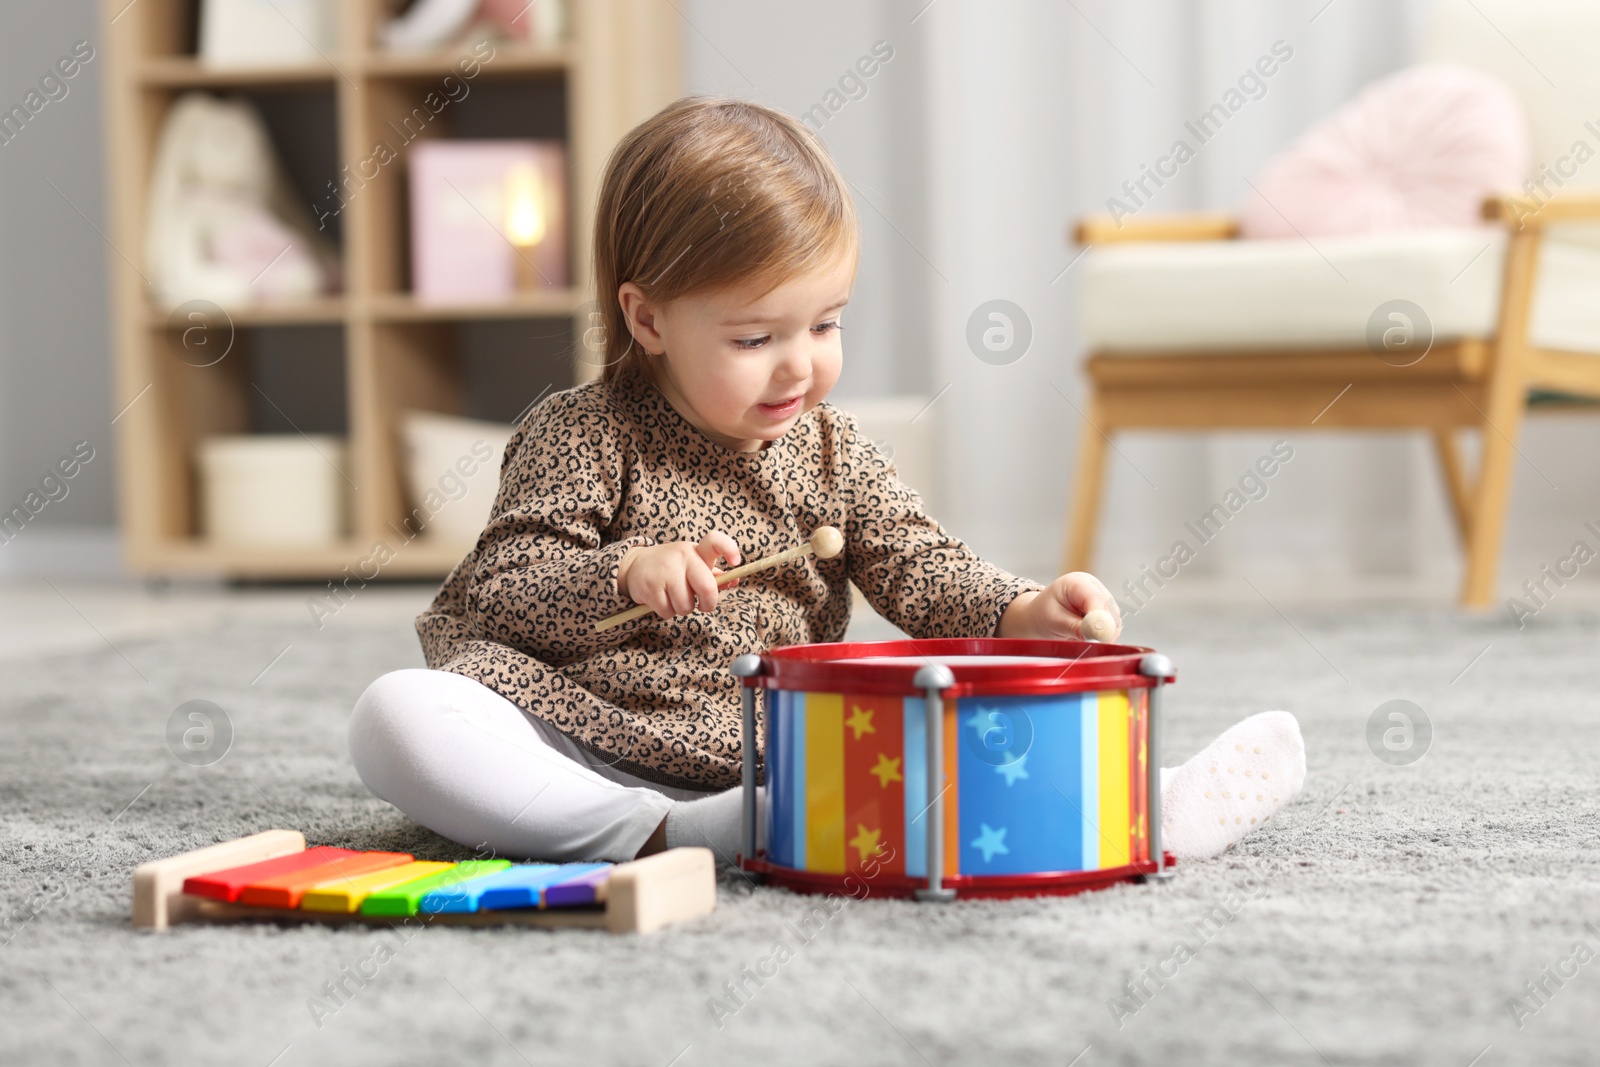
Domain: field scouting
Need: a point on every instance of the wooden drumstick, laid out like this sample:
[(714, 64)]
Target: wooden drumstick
[(1098, 625), (826, 542)]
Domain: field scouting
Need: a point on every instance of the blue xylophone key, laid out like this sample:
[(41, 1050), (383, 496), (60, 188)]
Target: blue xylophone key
[(506, 890), (467, 896)]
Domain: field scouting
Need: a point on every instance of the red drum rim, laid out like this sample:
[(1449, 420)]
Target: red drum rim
[(1073, 667), (1042, 883)]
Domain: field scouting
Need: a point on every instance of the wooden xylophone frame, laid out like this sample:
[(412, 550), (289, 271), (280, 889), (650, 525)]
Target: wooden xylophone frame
[(640, 895), (934, 682)]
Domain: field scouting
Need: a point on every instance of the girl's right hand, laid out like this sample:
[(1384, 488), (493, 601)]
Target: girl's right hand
[(678, 577)]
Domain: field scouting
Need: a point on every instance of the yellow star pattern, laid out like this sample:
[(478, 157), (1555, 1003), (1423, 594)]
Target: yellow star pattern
[(860, 721), (866, 841), (887, 770)]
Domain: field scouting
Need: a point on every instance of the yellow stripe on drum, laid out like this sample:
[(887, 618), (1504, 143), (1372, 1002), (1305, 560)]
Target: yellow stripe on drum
[(1116, 827), (825, 782)]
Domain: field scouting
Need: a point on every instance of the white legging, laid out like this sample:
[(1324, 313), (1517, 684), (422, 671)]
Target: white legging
[(469, 764)]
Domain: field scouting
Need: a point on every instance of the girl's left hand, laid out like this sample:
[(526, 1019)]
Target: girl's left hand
[(1057, 612)]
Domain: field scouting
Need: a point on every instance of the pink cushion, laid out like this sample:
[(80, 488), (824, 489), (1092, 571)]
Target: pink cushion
[(1418, 148)]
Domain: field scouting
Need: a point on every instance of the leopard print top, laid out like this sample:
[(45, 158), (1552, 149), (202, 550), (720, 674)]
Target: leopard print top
[(597, 469)]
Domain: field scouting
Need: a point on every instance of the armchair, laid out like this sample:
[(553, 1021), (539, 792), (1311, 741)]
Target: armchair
[(1190, 328)]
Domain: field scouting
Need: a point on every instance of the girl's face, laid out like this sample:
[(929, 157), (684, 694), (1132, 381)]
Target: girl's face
[(744, 370)]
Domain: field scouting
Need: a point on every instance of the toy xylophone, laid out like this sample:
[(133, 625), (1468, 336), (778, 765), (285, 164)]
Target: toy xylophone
[(274, 876)]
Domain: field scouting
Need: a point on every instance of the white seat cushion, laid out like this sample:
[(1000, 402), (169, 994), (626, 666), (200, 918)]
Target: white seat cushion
[(1232, 295)]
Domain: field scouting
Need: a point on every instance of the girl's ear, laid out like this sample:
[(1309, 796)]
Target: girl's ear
[(641, 317)]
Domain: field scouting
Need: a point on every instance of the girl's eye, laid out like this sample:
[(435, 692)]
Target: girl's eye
[(750, 344)]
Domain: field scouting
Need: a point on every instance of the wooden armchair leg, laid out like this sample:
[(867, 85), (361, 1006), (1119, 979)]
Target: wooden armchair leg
[(1455, 480), (1506, 397), (1085, 515), (1486, 529)]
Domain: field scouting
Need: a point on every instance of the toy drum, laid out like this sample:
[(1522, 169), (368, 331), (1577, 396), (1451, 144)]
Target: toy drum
[(955, 767)]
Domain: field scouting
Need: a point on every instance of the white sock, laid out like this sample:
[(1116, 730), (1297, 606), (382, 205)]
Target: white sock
[(1234, 785), (711, 822)]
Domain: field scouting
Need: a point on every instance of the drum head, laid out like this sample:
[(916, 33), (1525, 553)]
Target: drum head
[(952, 661), (979, 665)]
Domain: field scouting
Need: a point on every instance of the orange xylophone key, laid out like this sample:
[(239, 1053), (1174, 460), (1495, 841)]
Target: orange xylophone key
[(228, 882), (285, 890)]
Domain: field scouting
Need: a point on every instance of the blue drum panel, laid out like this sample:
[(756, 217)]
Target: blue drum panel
[(786, 789), (1021, 770)]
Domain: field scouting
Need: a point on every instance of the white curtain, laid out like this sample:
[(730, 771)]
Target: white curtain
[(1039, 112)]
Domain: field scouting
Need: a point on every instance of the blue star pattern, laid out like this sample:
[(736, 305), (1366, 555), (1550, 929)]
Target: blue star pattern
[(991, 841), (1017, 768), (1030, 810)]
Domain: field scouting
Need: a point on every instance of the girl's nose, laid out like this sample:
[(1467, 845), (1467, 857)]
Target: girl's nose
[(796, 364)]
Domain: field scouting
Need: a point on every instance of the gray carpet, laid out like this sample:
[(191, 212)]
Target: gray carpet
[(1388, 916)]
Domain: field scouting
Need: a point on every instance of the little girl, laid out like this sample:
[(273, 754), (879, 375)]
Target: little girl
[(725, 250)]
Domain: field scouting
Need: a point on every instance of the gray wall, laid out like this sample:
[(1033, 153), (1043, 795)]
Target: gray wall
[(55, 377)]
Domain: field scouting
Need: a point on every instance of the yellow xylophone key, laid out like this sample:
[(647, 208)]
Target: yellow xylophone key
[(347, 894)]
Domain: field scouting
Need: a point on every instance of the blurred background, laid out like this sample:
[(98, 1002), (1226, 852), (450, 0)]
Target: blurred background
[(975, 136)]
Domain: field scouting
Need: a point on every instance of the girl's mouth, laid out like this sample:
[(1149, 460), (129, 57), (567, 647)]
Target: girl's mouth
[(785, 409)]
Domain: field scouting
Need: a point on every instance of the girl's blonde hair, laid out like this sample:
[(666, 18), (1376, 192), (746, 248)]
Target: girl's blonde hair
[(709, 193)]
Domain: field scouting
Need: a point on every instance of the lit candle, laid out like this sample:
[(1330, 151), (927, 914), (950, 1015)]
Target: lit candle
[(525, 219), (524, 205)]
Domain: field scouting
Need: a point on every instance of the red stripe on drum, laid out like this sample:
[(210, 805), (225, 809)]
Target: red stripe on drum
[(874, 783)]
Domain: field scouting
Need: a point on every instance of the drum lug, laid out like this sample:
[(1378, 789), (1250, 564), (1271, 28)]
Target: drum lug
[(933, 679), (1158, 668), (748, 666)]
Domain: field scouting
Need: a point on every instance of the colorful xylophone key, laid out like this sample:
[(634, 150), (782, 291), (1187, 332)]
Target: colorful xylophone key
[(285, 890), (348, 896), (584, 889), (228, 883), (405, 899), (516, 887)]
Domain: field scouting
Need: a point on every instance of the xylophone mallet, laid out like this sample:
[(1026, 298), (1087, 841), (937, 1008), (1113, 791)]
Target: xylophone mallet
[(1098, 625), (825, 541)]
